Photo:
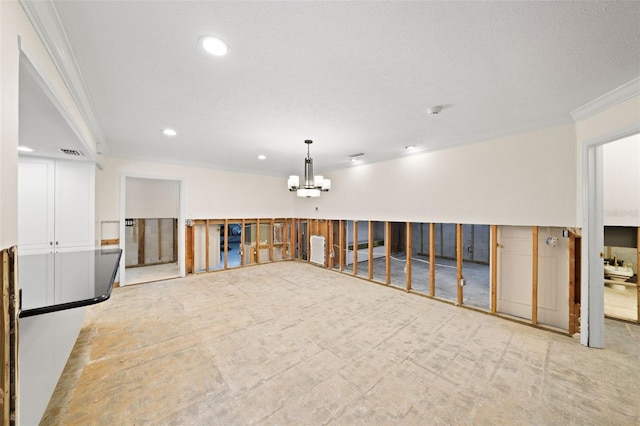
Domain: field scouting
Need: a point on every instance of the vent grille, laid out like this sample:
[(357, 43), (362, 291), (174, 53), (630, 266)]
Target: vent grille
[(71, 152)]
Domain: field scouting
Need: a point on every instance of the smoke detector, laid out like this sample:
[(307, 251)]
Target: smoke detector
[(435, 110)]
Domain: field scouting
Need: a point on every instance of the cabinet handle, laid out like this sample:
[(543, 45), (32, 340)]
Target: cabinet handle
[(50, 243), (56, 243)]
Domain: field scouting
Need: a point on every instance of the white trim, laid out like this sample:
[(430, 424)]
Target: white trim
[(592, 287), (45, 20), (181, 220), (36, 70), (606, 101)]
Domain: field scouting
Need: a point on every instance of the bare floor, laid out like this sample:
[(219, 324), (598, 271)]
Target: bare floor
[(145, 274), (291, 343)]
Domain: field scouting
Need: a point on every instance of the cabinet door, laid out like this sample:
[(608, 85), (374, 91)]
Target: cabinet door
[(74, 204), (35, 205)]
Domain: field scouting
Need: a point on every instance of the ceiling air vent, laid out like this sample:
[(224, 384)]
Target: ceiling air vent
[(71, 152)]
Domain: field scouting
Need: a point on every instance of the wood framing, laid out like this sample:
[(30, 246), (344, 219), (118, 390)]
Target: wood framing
[(270, 239), (188, 245), (459, 262), (329, 246), (9, 343), (387, 247), (409, 249), (206, 239), (225, 245), (341, 238), (573, 321), (494, 268), (110, 242), (355, 247), (257, 248), (432, 259), (638, 274), (370, 232), (141, 226), (534, 283)]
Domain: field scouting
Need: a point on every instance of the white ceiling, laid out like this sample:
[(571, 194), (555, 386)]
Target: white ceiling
[(352, 76)]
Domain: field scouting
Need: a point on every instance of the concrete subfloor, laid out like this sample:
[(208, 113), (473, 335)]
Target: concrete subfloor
[(145, 274), (292, 343)]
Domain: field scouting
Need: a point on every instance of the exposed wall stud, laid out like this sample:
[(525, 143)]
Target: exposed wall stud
[(409, 249), (432, 260), (494, 268), (459, 262), (534, 284)]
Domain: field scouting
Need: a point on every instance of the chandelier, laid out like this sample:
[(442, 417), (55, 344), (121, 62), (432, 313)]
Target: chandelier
[(312, 184)]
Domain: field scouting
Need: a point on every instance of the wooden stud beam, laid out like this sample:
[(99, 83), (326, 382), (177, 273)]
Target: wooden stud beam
[(534, 283), (206, 239), (140, 241), (271, 238), (341, 244), (387, 247), (257, 249), (355, 247), (408, 255), (110, 242), (370, 232), (494, 268), (225, 246), (459, 261), (572, 282), (432, 259)]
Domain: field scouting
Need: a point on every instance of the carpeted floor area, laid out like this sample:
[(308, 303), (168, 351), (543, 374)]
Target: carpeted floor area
[(291, 343)]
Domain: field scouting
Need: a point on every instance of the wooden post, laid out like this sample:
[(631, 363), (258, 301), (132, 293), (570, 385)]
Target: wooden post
[(494, 268), (355, 247), (432, 260), (534, 284), (370, 232), (409, 249), (459, 261), (206, 238), (5, 350), (341, 248), (242, 239), (331, 254), (272, 235), (225, 246), (140, 241), (572, 282), (387, 247)]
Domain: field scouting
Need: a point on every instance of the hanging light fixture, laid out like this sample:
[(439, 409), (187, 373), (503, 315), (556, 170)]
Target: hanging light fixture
[(312, 184)]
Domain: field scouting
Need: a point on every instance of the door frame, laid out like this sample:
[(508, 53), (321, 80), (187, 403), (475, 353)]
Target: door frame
[(592, 286), (181, 219)]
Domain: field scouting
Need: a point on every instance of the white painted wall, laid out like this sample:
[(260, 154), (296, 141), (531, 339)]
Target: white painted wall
[(208, 193), (527, 179), (602, 126), (152, 198), (621, 182)]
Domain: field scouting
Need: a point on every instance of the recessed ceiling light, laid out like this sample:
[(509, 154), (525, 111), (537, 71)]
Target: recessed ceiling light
[(262, 157), (24, 149), (353, 160), (410, 147), (169, 132), (214, 46)]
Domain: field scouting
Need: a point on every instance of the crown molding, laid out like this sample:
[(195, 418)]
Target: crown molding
[(608, 100), (45, 20)]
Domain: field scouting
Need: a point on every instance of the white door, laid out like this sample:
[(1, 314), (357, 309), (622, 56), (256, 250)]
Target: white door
[(35, 205)]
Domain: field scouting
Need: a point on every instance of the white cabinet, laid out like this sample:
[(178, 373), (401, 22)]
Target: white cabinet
[(56, 205)]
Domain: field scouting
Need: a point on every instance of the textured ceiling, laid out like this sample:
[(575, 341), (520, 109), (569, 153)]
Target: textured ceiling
[(352, 76)]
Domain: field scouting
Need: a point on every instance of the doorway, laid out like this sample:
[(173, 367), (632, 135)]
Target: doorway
[(150, 235), (592, 286)]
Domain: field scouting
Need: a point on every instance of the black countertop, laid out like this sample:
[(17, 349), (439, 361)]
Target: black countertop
[(57, 281)]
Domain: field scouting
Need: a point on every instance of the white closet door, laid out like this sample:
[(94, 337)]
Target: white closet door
[(75, 205), (35, 205)]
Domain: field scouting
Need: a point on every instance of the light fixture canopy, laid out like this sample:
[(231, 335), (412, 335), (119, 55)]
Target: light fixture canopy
[(169, 132), (313, 185)]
